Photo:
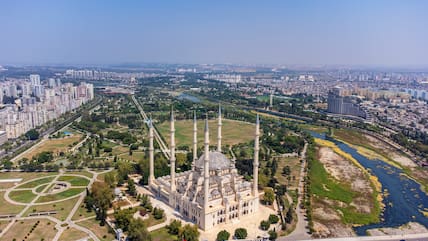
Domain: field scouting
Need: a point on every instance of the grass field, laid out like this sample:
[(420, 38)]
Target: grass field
[(233, 132), (136, 156), (82, 212), (23, 196), (83, 173), (294, 164), (36, 183), (45, 230), (74, 181), (162, 235), (41, 188), (58, 196), (100, 231), (72, 234), (324, 185), (25, 175), (7, 208), (62, 208), (54, 145)]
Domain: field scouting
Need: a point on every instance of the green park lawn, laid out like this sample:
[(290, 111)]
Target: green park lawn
[(74, 181), (36, 183), (23, 196), (233, 132), (162, 235), (58, 196)]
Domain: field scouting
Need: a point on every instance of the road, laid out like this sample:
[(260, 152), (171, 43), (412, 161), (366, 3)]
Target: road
[(46, 133), (164, 148)]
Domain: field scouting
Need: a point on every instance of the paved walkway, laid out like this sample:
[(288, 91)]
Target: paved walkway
[(301, 231), (59, 225)]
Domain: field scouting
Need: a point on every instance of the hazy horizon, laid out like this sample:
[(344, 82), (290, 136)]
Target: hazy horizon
[(309, 33)]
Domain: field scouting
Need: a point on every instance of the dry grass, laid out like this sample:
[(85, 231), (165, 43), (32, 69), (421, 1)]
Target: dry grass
[(233, 132), (294, 164), (100, 231), (62, 208), (7, 208), (72, 234), (20, 229), (54, 145)]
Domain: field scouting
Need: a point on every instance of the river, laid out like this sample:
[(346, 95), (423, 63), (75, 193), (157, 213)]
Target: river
[(405, 199)]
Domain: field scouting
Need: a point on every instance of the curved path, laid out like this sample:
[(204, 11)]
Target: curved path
[(59, 225)]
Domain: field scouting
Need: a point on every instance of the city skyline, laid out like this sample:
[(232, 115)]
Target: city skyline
[(368, 33)]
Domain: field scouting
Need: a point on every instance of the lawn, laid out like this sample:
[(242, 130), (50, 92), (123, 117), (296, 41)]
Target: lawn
[(117, 150), (23, 196), (101, 232), (58, 196), (162, 235), (45, 230), (25, 175), (74, 181), (294, 164), (7, 208), (233, 132), (136, 156), (36, 183), (62, 208), (82, 212), (83, 173), (72, 234), (54, 145)]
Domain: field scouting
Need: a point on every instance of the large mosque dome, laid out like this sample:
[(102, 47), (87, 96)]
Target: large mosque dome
[(217, 161)]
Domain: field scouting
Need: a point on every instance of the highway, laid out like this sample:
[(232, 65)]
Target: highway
[(164, 148)]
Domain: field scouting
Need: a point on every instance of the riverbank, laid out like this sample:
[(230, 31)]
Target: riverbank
[(345, 193)]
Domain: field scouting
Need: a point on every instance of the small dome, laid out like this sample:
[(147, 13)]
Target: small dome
[(217, 161)]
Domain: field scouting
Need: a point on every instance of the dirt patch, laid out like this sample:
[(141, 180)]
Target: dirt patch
[(343, 170), (394, 155), (332, 229), (409, 228)]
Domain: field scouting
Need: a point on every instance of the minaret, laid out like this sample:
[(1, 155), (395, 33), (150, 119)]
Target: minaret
[(195, 138), (206, 164), (219, 130), (256, 158), (172, 153), (151, 154)]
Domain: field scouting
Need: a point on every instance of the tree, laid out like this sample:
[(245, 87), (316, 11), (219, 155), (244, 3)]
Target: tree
[(123, 169), (110, 179), (102, 196), (240, 233), (223, 235), (264, 225), (273, 218), (32, 134), (158, 213), (269, 196), (137, 231), (189, 233), (286, 170), (123, 219), (272, 235), (131, 188), (289, 215), (174, 227)]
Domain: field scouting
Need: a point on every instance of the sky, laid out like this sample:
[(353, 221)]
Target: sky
[(300, 32)]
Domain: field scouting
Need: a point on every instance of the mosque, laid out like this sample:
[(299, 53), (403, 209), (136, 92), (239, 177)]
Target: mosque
[(212, 192)]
